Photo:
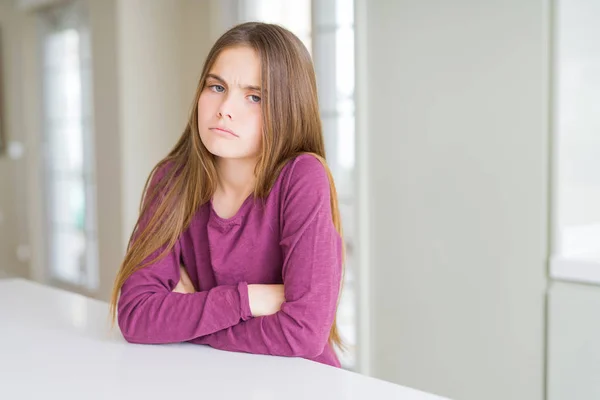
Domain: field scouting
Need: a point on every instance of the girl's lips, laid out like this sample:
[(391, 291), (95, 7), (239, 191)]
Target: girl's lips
[(223, 130)]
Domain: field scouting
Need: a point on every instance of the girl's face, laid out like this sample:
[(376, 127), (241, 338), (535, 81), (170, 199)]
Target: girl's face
[(229, 110)]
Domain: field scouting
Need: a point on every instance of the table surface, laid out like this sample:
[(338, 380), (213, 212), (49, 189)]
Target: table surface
[(57, 343)]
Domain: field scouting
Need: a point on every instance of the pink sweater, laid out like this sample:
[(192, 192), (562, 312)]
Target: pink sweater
[(289, 238)]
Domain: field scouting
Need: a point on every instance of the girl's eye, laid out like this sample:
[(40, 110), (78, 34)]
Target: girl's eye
[(254, 98), (217, 88)]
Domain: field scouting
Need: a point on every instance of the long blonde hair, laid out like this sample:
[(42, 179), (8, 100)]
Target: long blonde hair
[(292, 126)]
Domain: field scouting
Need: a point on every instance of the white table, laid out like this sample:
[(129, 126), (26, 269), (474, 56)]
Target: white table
[(56, 344)]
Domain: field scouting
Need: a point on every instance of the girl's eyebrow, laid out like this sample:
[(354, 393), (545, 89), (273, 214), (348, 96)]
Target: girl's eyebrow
[(245, 87)]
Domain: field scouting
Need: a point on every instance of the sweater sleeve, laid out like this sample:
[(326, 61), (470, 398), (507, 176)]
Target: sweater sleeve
[(311, 274), (149, 312)]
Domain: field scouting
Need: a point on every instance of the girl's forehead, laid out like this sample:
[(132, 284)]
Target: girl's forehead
[(238, 66)]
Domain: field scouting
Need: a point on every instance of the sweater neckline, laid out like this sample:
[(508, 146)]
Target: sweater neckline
[(235, 217)]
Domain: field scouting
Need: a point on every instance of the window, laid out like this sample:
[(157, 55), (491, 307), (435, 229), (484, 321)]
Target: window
[(67, 138), (294, 15), (327, 29), (576, 142)]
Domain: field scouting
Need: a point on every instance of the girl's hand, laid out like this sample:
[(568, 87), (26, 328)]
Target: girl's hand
[(185, 284), (265, 299)]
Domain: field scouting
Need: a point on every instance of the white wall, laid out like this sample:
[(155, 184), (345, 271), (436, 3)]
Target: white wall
[(109, 166), (13, 220), (573, 344), (456, 109)]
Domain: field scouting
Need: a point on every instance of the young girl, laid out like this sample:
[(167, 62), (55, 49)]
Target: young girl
[(238, 244)]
